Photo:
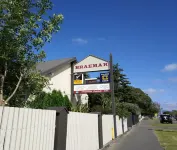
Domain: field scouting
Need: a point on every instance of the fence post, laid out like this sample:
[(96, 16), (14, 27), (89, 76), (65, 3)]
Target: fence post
[(100, 129), (61, 127), (129, 122), (133, 119)]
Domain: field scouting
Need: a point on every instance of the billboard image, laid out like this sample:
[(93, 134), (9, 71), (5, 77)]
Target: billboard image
[(105, 77), (78, 79)]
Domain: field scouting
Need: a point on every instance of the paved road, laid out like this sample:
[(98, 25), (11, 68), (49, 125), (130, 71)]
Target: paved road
[(139, 138)]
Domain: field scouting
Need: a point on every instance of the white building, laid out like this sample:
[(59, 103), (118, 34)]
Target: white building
[(59, 73)]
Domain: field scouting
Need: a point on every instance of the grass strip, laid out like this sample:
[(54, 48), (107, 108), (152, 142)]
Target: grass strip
[(167, 139)]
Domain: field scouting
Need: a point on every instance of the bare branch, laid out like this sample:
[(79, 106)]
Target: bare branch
[(15, 90), (17, 77), (5, 69)]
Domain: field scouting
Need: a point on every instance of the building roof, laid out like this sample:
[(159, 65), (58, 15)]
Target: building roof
[(48, 66)]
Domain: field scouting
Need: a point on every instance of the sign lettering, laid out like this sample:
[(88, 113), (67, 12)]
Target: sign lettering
[(91, 66)]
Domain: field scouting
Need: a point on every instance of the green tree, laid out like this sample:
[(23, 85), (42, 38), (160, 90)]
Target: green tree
[(125, 109), (120, 79), (128, 98), (174, 112), (167, 112), (25, 27), (153, 109)]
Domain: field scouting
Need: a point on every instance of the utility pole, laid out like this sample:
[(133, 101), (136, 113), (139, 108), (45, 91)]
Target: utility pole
[(112, 95)]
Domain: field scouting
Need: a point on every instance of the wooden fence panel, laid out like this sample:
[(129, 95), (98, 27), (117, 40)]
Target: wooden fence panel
[(14, 129), (39, 130), (4, 126), (19, 129), (108, 126), (8, 131), (52, 130), (125, 125), (82, 131), (35, 135), (26, 129), (119, 126), (43, 132)]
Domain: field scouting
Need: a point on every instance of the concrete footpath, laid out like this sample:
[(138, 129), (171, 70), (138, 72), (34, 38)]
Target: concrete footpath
[(141, 137)]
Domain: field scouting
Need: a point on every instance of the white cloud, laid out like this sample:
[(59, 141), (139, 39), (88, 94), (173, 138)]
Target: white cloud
[(79, 41), (174, 79), (170, 67), (153, 91)]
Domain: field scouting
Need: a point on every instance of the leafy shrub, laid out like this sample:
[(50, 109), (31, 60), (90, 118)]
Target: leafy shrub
[(45, 100), (83, 108)]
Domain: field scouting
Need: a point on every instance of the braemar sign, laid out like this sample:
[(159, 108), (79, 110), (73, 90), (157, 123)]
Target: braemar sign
[(90, 64)]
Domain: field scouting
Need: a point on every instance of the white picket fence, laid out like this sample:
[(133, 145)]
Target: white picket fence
[(26, 129), (34, 129), (82, 131)]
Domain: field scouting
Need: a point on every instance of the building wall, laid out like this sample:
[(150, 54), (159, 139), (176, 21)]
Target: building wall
[(61, 80)]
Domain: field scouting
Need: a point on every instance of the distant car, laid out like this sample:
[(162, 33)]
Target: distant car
[(166, 118)]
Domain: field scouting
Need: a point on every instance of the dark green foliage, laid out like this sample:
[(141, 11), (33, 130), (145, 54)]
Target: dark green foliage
[(95, 100), (45, 100), (125, 109), (128, 99)]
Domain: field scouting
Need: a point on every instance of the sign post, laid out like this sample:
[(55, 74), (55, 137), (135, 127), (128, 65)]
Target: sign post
[(106, 83), (112, 96)]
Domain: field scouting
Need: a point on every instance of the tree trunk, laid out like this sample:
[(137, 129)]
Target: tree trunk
[(15, 90)]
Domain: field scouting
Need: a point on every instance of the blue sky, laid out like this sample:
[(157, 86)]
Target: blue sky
[(141, 35)]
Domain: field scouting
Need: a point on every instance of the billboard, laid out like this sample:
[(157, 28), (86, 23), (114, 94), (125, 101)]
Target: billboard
[(92, 88), (78, 79), (105, 77)]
